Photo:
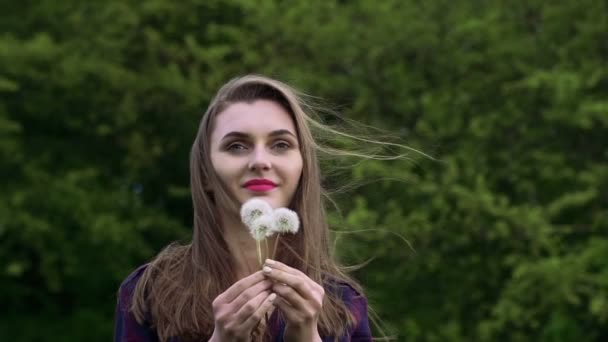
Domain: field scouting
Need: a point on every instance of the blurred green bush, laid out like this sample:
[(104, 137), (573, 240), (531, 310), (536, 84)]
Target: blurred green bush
[(100, 101)]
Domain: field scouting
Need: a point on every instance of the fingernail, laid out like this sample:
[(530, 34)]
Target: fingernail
[(269, 262), (272, 297), (267, 269)]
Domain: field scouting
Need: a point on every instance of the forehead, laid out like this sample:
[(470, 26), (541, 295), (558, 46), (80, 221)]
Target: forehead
[(257, 118)]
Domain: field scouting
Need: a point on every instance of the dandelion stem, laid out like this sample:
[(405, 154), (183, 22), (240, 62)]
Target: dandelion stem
[(276, 242), (266, 243), (257, 242)]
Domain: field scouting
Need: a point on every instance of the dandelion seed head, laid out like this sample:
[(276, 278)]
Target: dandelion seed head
[(254, 209), (286, 221), (262, 227)]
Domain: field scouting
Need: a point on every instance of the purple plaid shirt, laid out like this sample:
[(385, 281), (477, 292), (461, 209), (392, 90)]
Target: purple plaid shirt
[(127, 329)]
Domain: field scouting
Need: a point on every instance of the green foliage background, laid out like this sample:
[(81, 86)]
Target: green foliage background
[(99, 103)]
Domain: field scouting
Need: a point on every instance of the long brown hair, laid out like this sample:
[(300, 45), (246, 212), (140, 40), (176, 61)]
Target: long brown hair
[(178, 286)]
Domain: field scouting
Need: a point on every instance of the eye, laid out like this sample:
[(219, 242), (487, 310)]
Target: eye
[(236, 147), (281, 145)]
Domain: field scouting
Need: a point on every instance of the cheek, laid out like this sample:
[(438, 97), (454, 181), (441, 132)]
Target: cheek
[(224, 170), (295, 172)]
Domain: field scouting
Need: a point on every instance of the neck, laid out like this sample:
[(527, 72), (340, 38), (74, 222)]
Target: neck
[(243, 246)]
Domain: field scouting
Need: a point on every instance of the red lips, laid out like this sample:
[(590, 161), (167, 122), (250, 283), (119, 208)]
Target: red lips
[(259, 181), (260, 185)]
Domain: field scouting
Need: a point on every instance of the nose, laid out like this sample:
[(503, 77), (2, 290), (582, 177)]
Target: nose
[(260, 160)]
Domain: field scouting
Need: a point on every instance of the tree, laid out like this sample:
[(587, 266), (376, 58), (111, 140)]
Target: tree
[(99, 103)]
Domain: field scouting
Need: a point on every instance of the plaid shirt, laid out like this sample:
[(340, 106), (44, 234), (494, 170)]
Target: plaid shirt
[(127, 329)]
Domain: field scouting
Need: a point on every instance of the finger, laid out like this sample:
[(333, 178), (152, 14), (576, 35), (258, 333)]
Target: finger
[(281, 266), (299, 283), (290, 313), (237, 288), (248, 294), (249, 308), (291, 296), (255, 318)]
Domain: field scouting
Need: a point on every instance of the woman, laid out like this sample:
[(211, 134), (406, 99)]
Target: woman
[(254, 141)]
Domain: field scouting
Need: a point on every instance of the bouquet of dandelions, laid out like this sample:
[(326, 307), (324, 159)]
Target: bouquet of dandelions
[(264, 222)]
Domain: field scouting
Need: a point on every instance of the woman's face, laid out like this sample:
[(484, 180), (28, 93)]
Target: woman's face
[(255, 152)]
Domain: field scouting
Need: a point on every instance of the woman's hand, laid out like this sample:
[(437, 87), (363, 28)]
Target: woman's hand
[(299, 298), (240, 308)]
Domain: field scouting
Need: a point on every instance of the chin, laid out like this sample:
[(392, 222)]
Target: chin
[(274, 203), (270, 200)]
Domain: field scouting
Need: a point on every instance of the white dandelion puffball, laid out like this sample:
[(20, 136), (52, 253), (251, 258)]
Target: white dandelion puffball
[(254, 209), (286, 221), (262, 227)]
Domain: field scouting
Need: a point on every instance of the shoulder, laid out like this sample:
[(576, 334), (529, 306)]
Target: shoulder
[(132, 279), (356, 303), (126, 326), (354, 300), (127, 287), (345, 291), (348, 292)]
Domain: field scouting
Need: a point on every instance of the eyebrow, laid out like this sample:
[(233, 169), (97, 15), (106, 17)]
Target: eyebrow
[(278, 132)]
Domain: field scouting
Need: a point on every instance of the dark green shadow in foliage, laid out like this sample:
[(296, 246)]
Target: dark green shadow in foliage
[(99, 104)]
